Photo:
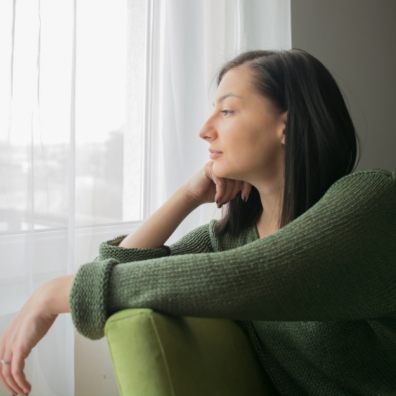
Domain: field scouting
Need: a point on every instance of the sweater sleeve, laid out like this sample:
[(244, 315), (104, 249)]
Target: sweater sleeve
[(336, 261), (110, 254), (195, 241)]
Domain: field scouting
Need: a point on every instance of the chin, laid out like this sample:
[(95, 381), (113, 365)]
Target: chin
[(223, 172), (219, 170)]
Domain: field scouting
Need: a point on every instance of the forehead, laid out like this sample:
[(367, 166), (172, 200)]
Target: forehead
[(235, 82)]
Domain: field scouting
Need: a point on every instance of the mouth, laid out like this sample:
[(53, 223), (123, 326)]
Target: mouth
[(214, 153)]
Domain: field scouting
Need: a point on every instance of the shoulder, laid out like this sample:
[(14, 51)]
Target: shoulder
[(375, 177), (366, 196), (364, 188)]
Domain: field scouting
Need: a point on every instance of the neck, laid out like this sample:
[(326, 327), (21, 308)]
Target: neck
[(271, 195)]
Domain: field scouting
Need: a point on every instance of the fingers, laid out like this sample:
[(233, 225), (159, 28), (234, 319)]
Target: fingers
[(220, 189), (7, 377), (18, 364), (227, 190), (236, 189), (223, 189), (13, 363), (4, 379), (5, 368), (246, 189), (13, 376)]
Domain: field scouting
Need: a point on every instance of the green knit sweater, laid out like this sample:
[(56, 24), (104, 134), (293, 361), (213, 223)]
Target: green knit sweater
[(317, 298)]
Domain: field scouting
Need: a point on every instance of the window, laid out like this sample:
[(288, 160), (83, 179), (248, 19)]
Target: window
[(71, 129)]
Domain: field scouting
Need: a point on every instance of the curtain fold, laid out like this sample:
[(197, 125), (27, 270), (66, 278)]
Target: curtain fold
[(102, 102), (31, 252)]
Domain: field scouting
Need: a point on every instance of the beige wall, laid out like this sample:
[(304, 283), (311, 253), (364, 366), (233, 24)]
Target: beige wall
[(356, 40), (93, 370)]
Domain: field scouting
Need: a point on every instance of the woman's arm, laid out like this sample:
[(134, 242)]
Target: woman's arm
[(54, 295), (39, 313), (28, 327), (162, 223), (334, 262), (201, 188)]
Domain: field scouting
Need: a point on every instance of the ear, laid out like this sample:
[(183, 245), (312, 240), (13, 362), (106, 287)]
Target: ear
[(282, 128)]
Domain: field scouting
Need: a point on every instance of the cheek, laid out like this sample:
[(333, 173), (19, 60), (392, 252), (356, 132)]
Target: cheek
[(246, 147), (252, 142), (258, 149)]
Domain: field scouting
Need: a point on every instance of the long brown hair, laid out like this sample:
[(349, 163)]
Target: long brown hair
[(320, 138)]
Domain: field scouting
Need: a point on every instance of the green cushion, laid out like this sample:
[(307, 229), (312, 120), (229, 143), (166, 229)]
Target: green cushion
[(157, 355)]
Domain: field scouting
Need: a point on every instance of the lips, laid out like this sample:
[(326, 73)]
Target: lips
[(214, 153)]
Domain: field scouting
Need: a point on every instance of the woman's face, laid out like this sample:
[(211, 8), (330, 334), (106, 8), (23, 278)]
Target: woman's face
[(246, 130)]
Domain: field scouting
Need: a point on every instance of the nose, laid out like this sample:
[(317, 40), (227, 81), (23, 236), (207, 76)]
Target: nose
[(208, 131)]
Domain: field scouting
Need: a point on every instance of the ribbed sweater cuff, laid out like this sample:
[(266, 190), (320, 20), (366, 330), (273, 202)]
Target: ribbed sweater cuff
[(110, 249), (89, 296)]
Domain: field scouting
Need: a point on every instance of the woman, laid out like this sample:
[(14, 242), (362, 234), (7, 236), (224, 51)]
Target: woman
[(280, 138)]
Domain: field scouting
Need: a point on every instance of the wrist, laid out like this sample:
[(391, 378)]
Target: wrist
[(190, 199), (53, 296)]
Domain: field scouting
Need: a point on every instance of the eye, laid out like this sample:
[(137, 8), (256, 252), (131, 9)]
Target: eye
[(226, 112)]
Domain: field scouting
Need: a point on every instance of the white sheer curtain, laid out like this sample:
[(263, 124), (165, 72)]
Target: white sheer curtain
[(192, 39), (101, 105)]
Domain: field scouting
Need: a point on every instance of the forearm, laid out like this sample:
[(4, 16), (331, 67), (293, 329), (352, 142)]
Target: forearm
[(160, 226), (54, 295)]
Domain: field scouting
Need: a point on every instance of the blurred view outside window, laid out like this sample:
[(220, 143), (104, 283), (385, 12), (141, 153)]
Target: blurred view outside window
[(72, 103), (72, 113)]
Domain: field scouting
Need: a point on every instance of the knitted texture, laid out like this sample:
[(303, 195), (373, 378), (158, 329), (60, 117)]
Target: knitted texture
[(110, 249), (95, 292), (318, 297)]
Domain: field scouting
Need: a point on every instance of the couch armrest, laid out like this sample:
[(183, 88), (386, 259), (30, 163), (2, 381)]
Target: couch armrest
[(158, 355)]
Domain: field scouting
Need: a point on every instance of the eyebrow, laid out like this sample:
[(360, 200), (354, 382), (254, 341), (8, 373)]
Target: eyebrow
[(226, 96)]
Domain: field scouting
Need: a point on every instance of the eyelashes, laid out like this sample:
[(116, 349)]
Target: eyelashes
[(226, 112)]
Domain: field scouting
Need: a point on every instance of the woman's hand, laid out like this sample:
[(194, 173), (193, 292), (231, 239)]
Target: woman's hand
[(205, 187), (27, 328), (23, 333)]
